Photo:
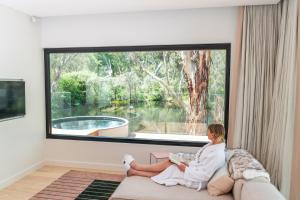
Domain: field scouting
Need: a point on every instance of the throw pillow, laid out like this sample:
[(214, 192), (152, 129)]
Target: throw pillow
[(220, 183)]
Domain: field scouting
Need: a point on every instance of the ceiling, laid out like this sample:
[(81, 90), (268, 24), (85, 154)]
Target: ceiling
[(46, 8)]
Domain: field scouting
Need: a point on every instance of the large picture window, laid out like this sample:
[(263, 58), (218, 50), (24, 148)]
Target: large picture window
[(141, 94)]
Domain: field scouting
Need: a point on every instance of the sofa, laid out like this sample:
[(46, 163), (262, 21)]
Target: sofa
[(228, 183), (141, 188)]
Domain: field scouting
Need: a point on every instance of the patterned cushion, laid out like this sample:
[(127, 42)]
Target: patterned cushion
[(240, 161)]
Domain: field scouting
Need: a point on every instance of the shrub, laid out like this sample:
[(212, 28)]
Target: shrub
[(74, 83)]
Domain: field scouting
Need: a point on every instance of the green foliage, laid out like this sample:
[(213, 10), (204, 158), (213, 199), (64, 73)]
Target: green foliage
[(216, 86), (61, 103), (111, 63), (106, 79), (75, 84), (154, 92), (119, 93)]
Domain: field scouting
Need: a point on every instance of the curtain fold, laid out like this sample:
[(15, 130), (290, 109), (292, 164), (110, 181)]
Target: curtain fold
[(281, 126), (235, 71), (257, 71), (295, 183), (266, 94)]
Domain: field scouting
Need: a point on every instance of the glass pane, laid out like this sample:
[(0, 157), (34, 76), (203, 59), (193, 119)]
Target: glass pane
[(167, 95)]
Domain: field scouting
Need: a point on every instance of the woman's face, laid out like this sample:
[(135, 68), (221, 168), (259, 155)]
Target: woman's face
[(210, 135)]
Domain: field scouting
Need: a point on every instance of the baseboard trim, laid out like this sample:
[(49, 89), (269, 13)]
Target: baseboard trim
[(87, 165), (6, 182)]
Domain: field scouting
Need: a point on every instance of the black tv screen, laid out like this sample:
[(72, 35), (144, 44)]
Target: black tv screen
[(12, 99)]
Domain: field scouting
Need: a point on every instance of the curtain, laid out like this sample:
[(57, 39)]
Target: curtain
[(234, 79), (266, 93), (295, 183), (260, 25)]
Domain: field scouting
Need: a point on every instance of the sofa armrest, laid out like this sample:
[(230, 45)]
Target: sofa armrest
[(238, 186), (237, 189), (260, 191)]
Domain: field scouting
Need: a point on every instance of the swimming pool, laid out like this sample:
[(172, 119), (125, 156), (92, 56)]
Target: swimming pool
[(95, 125)]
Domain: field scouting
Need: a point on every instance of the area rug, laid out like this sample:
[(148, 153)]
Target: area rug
[(81, 185)]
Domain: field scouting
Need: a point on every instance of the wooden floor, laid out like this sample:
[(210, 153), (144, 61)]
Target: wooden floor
[(36, 181)]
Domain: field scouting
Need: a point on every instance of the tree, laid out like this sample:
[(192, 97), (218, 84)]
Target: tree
[(74, 83), (196, 65), (61, 63), (145, 66), (58, 64)]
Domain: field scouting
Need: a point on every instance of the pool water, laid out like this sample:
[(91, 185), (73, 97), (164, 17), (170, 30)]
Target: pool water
[(81, 123)]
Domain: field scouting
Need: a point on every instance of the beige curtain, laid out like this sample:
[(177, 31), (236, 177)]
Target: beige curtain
[(234, 80), (295, 183), (281, 126), (266, 93), (256, 39)]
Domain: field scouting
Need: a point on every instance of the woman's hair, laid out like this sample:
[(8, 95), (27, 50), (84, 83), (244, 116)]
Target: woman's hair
[(218, 131)]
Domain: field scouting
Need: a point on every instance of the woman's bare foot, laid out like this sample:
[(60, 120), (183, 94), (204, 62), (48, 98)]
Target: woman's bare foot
[(130, 172), (133, 164)]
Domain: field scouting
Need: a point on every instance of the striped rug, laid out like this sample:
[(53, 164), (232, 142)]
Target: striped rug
[(79, 184), (99, 190)]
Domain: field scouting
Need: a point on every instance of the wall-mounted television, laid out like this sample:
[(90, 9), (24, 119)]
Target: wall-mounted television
[(12, 99)]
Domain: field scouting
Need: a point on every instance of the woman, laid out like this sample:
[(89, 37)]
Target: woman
[(196, 174)]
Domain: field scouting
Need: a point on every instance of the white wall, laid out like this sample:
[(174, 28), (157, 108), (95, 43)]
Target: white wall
[(169, 27), (216, 25), (21, 140)]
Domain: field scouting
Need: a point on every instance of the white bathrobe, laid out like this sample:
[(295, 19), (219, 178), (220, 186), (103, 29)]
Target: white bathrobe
[(207, 160)]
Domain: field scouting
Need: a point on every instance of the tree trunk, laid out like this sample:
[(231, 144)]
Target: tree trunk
[(196, 66)]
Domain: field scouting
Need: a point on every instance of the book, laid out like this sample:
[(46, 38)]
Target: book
[(175, 159)]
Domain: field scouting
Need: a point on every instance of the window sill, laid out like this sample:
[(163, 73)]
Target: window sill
[(137, 140)]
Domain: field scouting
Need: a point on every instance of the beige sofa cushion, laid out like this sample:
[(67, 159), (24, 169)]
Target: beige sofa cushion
[(220, 183), (260, 191), (237, 189), (238, 186), (141, 188)]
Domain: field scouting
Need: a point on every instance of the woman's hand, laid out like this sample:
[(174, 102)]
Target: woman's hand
[(181, 167)]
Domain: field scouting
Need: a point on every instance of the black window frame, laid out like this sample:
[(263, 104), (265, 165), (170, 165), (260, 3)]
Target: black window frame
[(48, 51)]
